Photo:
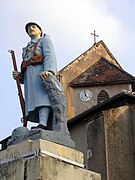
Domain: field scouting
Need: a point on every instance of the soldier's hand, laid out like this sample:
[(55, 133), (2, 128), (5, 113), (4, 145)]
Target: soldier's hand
[(15, 74), (44, 74)]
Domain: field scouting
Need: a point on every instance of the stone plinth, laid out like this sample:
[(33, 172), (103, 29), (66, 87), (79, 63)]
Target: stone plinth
[(41, 159), (119, 136), (33, 134)]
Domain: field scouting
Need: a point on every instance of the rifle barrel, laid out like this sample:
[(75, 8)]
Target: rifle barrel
[(20, 94)]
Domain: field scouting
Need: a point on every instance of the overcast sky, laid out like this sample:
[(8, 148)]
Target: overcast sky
[(70, 24)]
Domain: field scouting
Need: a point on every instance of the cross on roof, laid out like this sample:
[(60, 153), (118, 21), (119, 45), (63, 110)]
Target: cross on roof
[(94, 34)]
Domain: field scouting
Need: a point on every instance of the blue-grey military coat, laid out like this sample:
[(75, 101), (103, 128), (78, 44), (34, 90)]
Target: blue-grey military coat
[(35, 94)]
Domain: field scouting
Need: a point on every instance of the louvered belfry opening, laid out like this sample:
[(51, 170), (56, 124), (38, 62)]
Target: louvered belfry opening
[(102, 96)]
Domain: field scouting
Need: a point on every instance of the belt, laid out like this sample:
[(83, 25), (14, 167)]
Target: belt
[(34, 60)]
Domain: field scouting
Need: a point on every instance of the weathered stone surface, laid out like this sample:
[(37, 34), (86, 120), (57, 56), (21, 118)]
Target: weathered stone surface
[(12, 170), (96, 149), (59, 170), (119, 143), (110, 146), (53, 162), (44, 168)]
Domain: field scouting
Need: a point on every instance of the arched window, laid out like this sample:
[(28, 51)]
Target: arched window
[(102, 96)]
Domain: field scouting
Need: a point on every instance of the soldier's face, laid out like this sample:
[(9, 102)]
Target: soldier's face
[(34, 31)]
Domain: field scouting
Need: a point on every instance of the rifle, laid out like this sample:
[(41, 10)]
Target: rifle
[(20, 94)]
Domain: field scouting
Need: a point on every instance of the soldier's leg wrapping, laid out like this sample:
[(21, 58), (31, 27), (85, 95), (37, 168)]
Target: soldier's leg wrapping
[(43, 115)]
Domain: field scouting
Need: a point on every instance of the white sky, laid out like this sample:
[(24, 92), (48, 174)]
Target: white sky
[(69, 23)]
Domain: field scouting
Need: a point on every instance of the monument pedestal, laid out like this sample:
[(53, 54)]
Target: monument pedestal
[(42, 159)]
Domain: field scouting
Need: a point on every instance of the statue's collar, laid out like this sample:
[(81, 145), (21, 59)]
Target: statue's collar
[(34, 40)]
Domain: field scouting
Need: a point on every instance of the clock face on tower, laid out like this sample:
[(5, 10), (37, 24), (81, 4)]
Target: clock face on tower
[(85, 95)]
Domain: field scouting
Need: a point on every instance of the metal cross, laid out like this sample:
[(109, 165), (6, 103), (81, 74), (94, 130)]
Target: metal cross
[(94, 34)]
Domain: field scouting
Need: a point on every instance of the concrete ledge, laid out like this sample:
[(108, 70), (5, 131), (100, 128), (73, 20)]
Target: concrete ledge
[(31, 148)]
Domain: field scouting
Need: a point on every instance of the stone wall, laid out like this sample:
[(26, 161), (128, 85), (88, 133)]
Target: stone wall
[(79, 136), (96, 149), (110, 146), (112, 90)]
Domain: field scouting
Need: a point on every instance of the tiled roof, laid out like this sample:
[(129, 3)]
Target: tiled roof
[(102, 72)]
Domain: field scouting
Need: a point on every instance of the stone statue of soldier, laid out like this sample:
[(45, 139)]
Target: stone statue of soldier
[(44, 96)]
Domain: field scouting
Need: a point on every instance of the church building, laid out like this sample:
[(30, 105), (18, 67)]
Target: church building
[(101, 112)]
